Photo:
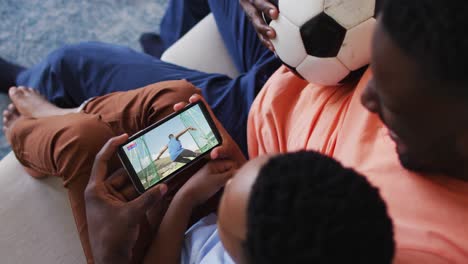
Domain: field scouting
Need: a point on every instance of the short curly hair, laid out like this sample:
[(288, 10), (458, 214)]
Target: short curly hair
[(433, 33), (307, 208)]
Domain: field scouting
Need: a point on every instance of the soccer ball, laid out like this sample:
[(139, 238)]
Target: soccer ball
[(324, 41)]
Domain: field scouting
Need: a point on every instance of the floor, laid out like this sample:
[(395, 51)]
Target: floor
[(30, 29)]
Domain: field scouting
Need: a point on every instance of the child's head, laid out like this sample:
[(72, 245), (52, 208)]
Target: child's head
[(303, 208)]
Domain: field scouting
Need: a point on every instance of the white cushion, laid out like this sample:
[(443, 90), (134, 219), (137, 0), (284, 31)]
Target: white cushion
[(37, 225), (203, 49)]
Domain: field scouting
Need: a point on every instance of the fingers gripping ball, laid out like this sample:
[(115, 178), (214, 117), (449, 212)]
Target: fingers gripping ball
[(324, 41)]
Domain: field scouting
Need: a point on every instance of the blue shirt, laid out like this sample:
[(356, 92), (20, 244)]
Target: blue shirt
[(202, 244), (175, 148)]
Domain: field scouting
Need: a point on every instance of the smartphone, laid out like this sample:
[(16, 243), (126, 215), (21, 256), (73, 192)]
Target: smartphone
[(166, 148)]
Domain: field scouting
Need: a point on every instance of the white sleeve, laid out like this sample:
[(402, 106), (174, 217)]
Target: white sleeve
[(202, 244)]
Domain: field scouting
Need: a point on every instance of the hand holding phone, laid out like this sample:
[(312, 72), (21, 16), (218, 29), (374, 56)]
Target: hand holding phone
[(168, 147), (229, 149), (114, 240)]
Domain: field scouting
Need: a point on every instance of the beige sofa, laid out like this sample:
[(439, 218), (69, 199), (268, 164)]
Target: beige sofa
[(37, 225)]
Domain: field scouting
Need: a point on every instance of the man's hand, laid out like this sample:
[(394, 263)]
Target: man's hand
[(229, 150), (254, 9), (192, 128), (113, 223), (207, 182)]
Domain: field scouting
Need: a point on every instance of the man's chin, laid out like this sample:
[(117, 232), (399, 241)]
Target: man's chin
[(415, 165), (406, 162)]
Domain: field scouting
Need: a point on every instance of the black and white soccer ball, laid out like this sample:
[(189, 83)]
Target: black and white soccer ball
[(324, 41)]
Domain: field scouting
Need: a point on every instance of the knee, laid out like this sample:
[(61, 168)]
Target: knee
[(171, 92), (71, 54), (87, 134), (78, 143), (161, 97)]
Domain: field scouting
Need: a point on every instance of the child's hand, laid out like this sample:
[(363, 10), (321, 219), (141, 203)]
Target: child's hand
[(229, 150), (207, 181)]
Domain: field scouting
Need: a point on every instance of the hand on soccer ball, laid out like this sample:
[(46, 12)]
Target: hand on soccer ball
[(254, 9)]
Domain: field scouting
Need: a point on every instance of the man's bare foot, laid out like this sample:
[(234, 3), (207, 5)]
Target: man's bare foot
[(10, 116), (30, 103)]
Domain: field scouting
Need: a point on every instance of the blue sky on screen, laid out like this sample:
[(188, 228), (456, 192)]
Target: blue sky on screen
[(159, 137)]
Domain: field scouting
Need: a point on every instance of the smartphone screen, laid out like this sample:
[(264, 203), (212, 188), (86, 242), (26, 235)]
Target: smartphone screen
[(167, 147)]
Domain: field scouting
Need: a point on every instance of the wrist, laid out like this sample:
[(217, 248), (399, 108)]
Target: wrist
[(185, 198), (111, 257), (110, 250)]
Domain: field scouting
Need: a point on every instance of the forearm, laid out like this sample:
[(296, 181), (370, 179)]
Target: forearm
[(112, 258), (161, 152), (182, 132), (159, 155), (167, 245)]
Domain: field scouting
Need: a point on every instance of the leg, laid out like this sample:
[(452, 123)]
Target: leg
[(186, 153), (70, 142), (30, 103), (241, 39), (8, 73), (67, 149), (238, 33), (183, 160), (140, 108), (180, 17), (75, 73)]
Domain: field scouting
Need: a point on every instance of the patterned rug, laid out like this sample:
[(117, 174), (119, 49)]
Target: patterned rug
[(30, 29)]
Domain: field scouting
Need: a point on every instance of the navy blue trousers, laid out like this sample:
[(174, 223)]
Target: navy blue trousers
[(74, 73)]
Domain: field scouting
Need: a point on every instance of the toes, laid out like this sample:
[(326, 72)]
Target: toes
[(16, 92), (33, 90), (12, 108), (6, 117), (10, 113), (22, 90), (12, 91)]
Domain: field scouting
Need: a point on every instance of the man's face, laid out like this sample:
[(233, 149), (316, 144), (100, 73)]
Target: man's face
[(423, 126), (232, 213)]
